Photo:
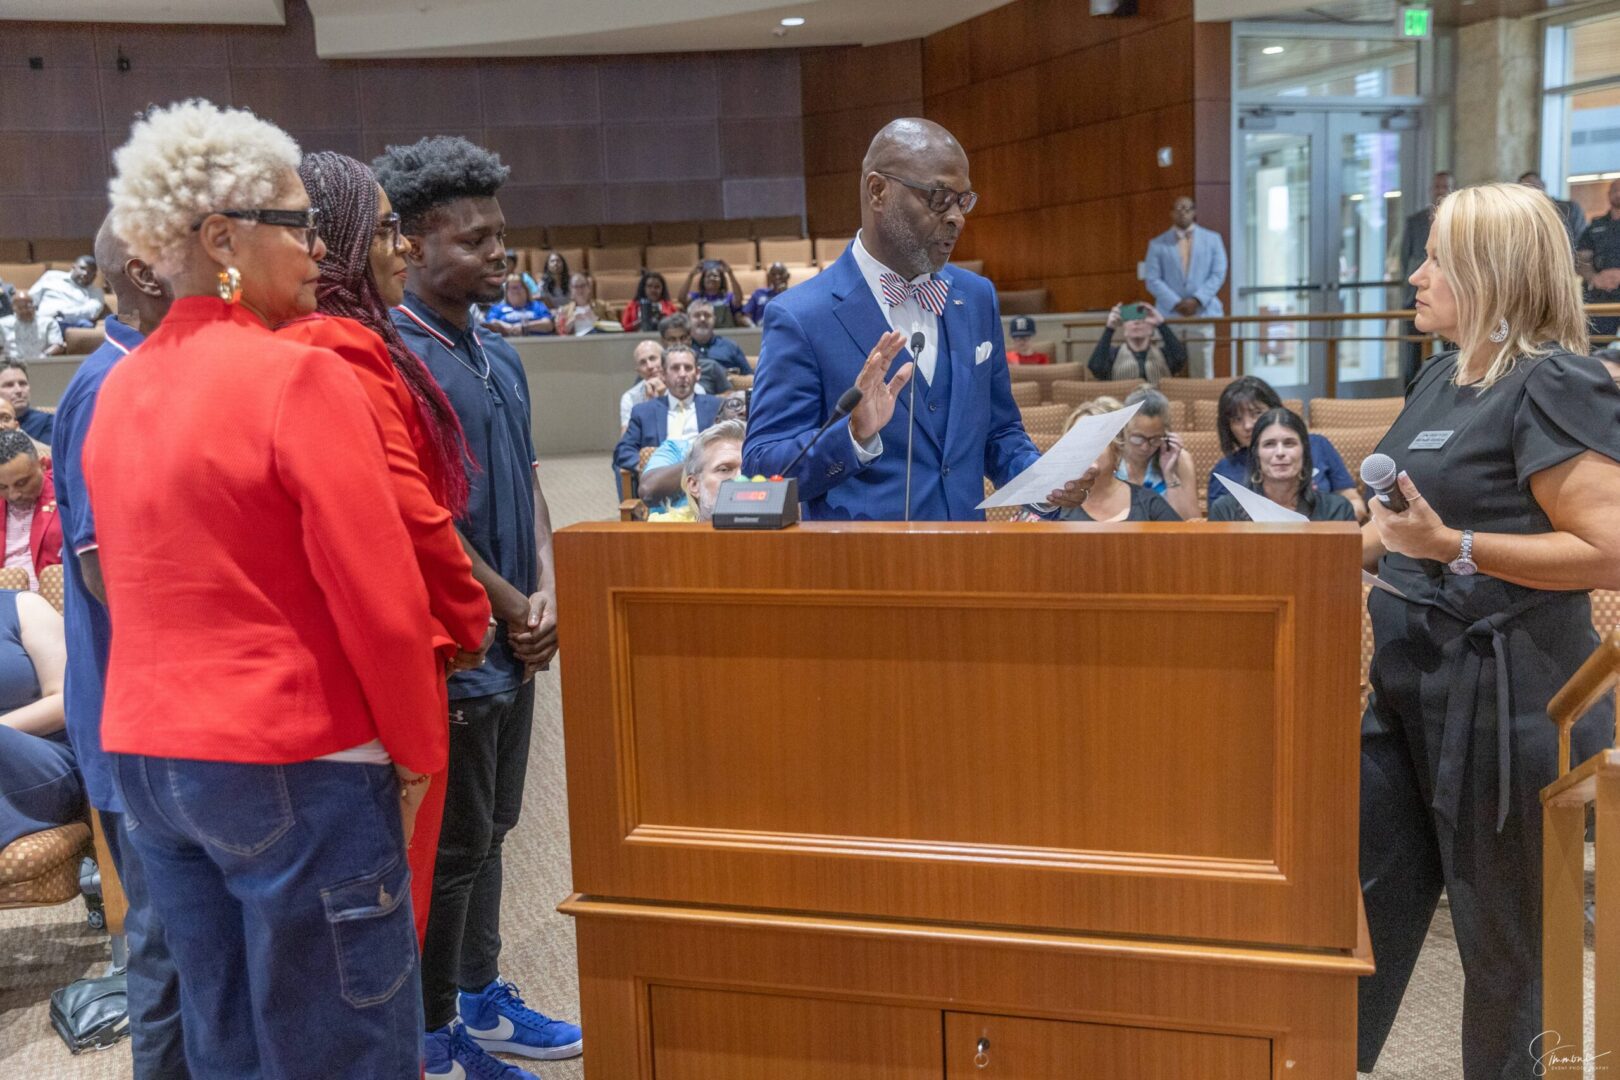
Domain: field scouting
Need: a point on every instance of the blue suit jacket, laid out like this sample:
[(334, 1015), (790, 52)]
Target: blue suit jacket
[(817, 336), (1205, 275), (649, 426)]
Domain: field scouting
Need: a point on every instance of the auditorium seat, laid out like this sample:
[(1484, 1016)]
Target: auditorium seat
[(15, 251), (792, 225), (600, 259), (42, 869), (797, 274), (1045, 419), (1367, 647), (678, 257), (573, 256), (726, 229), (62, 251), (973, 265), (628, 479), (1072, 392), (635, 236), (1026, 393), (741, 382), (1205, 411), (1023, 301), (1353, 444), (674, 232), (520, 236), (22, 275), (1205, 448), (82, 340), (738, 254), (789, 250), (50, 586), (1044, 375), (829, 248), (997, 513), (1354, 412), (1605, 610), (1179, 389), (617, 286), (748, 280), (14, 578), (1050, 348), (573, 236)]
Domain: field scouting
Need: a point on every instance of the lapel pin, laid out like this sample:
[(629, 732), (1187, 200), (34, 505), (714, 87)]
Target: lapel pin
[(958, 303)]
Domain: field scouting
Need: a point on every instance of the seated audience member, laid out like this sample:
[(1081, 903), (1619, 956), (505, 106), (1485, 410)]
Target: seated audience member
[(554, 279), (583, 311), (1280, 468), (511, 270), (1244, 401), (519, 313), (40, 786), (1150, 350), (660, 482), (29, 335), (7, 291), (1020, 333), (71, 297), (14, 388), (776, 283), (681, 412), (718, 285), (714, 457), (650, 305), (1154, 457), (711, 346), (649, 356), (1109, 497), (676, 329), (33, 529)]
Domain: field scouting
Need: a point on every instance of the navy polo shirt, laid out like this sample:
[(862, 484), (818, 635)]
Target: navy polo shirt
[(41, 425), (88, 633), (494, 413)]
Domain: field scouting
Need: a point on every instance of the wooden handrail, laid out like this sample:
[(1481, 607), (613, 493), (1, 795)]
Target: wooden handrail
[(1302, 316), (1591, 681)]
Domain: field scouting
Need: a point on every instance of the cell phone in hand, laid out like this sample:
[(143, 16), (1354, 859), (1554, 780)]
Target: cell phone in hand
[(1132, 312)]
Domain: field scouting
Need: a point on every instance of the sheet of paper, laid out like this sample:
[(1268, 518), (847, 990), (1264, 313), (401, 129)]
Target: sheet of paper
[(1379, 583), (1258, 507), (1069, 457)]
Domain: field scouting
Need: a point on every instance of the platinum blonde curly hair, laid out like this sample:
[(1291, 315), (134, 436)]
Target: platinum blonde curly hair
[(186, 161)]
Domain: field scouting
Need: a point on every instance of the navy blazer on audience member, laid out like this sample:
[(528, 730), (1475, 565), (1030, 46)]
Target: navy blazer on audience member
[(649, 426)]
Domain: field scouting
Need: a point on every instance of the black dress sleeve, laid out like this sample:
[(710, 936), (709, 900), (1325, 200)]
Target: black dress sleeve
[(1569, 405), (1151, 506), (1332, 507), (1226, 508), (1102, 357)]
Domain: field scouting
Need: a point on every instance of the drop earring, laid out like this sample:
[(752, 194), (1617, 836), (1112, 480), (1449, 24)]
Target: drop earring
[(1500, 334), (230, 285)]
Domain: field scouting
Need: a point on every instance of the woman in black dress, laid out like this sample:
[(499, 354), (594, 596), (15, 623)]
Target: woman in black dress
[(1508, 449)]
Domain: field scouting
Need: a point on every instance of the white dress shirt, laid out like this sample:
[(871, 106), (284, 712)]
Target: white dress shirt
[(907, 318)]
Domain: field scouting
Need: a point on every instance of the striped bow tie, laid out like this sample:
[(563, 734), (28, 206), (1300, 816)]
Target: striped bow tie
[(930, 294)]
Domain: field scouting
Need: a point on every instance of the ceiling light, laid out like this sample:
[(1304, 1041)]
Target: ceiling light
[(793, 20), (1272, 50), (1392, 194), (1357, 197)]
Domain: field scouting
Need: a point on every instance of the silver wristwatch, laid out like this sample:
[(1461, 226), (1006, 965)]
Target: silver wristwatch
[(1464, 564)]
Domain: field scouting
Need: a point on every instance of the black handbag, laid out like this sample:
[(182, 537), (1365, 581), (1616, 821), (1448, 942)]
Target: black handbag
[(92, 1014)]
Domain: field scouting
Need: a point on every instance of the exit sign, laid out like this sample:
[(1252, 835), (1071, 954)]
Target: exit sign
[(1416, 22)]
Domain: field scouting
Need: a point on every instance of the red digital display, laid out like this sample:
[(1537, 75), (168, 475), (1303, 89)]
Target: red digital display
[(756, 495)]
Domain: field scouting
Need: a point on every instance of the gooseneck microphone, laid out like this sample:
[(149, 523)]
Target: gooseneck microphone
[(1378, 472), (846, 405), (918, 343)]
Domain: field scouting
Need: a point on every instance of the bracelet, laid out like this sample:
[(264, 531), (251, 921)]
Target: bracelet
[(406, 785)]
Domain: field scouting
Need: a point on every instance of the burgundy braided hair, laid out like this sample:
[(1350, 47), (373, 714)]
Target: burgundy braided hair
[(346, 193)]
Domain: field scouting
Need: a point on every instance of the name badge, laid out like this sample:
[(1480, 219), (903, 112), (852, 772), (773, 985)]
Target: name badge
[(1430, 440)]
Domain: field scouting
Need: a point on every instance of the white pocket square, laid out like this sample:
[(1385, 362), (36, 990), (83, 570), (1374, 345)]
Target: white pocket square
[(982, 353)]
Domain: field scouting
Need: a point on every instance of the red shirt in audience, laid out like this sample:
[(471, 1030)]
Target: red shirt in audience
[(1014, 357), (270, 609)]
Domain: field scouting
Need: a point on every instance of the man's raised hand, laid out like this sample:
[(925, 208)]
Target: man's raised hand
[(877, 396)]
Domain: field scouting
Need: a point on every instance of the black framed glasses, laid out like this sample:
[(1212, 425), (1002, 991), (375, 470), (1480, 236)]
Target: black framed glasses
[(308, 220), (1151, 441), (940, 198), (388, 231)]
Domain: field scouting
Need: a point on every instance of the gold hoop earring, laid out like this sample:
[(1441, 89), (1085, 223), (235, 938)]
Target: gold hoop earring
[(230, 285)]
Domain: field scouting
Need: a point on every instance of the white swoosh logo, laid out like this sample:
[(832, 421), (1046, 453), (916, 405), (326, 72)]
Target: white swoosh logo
[(499, 1033), (456, 1072)]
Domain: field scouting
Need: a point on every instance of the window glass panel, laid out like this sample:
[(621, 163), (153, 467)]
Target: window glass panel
[(1594, 49), (1327, 67)]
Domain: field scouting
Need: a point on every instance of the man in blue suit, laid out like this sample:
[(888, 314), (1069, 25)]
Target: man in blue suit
[(682, 412), (1186, 267), (847, 325)]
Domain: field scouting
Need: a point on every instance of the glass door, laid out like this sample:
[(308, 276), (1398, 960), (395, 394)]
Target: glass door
[(1323, 198)]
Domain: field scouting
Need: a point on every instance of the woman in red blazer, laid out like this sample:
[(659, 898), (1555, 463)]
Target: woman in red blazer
[(272, 697), (362, 277)]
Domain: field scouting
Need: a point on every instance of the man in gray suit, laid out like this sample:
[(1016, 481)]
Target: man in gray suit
[(1186, 267)]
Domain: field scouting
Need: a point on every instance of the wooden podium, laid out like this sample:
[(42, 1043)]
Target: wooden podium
[(861, 801)]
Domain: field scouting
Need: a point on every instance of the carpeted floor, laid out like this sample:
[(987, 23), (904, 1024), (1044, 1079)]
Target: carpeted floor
[(43, 949)]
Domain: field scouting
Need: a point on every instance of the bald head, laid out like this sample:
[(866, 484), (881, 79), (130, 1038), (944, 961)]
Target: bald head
[(111, 255), (140, 297), (910, 162)]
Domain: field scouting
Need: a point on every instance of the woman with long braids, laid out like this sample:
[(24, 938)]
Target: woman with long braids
[(362, 277)]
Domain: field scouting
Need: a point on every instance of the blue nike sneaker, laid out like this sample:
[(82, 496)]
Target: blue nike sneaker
[(450, 1054), (497, 1020)]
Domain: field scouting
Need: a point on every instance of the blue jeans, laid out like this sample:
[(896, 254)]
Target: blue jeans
[(286, 900), (154, 985)]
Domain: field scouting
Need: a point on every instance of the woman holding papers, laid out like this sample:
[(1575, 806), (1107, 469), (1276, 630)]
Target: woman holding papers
[(1280, 468), (1106, 496), (1508, 452)]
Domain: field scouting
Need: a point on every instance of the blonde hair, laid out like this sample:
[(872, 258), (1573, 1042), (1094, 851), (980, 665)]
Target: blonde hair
[(1094, 407), (189, 160), (1507, 256)]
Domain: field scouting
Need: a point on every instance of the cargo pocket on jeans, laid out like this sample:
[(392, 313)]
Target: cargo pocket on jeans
[(373, 933)]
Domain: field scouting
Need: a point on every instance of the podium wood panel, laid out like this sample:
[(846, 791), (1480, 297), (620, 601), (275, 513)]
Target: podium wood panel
[(1125, 729)]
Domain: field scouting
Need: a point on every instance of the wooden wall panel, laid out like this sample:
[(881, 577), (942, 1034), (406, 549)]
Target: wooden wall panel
[(588, 138)]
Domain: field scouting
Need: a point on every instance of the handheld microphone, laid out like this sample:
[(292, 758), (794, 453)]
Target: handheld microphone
[(846, 405), (1378, 472), (918, 343)]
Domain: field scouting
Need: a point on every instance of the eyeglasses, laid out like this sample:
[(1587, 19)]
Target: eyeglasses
[(309, 220), (940, 198), (1139, 441), (388, 230)]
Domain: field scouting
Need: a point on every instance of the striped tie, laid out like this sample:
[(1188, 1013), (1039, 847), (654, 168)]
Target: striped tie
[(930, 294)]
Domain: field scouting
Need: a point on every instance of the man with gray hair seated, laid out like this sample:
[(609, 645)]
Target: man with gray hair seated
[(714, 457)]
